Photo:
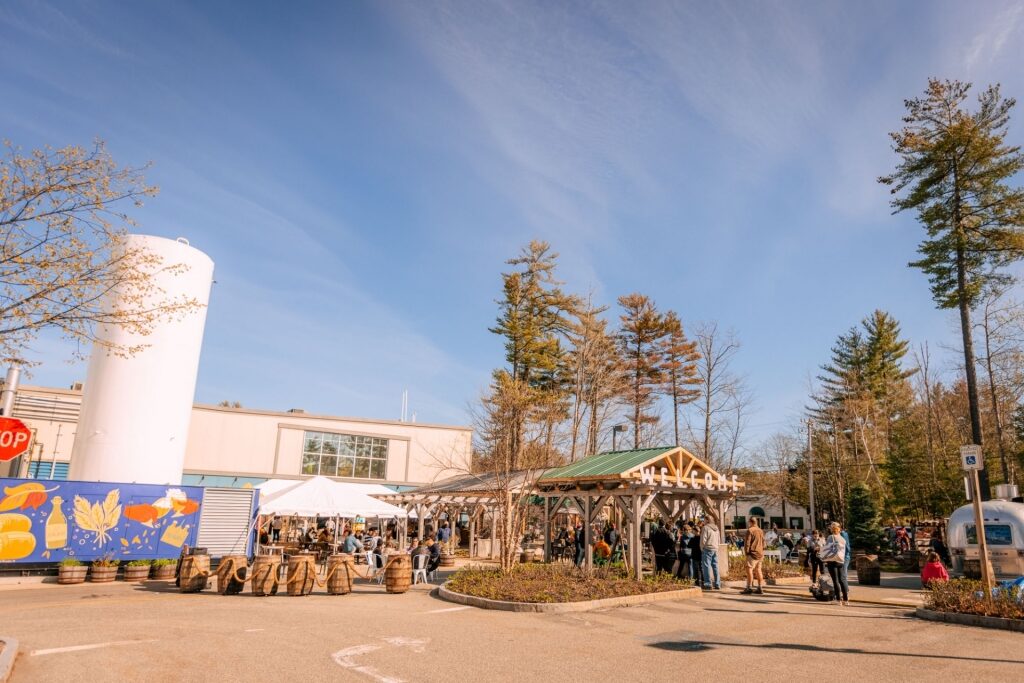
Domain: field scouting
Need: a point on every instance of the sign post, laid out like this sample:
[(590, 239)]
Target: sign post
[(973, 461), (15, 438)]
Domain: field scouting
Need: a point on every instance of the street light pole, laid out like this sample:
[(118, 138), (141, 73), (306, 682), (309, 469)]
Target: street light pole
[(615, 432), (810, 472)]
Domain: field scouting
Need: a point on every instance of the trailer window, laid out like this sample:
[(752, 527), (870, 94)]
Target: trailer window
[(995, 534)]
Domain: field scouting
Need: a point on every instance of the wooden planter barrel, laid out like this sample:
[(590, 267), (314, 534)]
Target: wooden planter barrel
[(231, 574), (265, 570), (136, 572), (164, 572), (447, 561), (341, 569), (869, 572), (103, 574), (69, 574), (398, 575), (195, 572), (301, 574)]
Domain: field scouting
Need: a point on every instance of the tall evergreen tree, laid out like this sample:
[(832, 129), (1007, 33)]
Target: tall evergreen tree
[(641, 341), (953, 171), (680, 368)]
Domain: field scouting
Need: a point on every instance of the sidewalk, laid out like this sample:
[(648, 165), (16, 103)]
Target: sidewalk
[(897, 590)]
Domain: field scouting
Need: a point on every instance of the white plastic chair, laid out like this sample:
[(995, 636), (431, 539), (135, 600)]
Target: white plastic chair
[(419, 568)]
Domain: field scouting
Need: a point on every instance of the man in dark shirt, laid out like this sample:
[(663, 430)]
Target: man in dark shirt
[(662, 545)]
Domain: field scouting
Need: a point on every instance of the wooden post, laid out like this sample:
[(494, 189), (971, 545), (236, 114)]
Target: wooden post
[(472, 532), (420, 513), (588, 558), (636, 542), (494, 531), (547, 530)]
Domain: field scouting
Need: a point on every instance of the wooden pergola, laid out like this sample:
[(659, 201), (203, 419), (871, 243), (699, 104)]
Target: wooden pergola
[(669, 480), (471, 493)]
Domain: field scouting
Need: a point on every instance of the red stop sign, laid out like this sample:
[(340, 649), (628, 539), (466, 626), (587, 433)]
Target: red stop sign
[(14, 438)]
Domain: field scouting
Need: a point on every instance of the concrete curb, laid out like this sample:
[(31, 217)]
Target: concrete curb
[(556, 607), (789, 581), (968, 620), (7, 655)]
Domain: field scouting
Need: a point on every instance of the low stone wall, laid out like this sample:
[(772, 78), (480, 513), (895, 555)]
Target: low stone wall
[(788, 581), (581, 606), (971, 620)]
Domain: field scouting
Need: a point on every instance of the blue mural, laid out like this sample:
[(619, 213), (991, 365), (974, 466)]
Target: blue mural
[(48, 520)]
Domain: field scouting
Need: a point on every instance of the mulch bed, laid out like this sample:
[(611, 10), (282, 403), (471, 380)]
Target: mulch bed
[(546, 583)]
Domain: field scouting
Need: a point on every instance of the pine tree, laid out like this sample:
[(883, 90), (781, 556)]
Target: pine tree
[(680, 368), (862, 520), (953, 171), (641, 342)]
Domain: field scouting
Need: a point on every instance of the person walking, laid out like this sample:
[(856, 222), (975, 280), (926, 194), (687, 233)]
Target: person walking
[(754, 550), (833, 554), (709, 542)]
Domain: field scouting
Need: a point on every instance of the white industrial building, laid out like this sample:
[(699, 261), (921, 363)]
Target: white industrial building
[(238, 446)]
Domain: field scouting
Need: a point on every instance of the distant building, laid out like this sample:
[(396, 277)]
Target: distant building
[(769, 511), (238, 446)]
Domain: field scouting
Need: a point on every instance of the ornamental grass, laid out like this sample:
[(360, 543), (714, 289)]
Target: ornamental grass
[(965, 596), (558, 583)]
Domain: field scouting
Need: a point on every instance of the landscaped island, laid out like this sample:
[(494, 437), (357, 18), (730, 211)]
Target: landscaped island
[(551, 583)]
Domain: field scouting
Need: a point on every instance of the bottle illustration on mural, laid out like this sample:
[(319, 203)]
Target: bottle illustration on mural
[(56, 526)]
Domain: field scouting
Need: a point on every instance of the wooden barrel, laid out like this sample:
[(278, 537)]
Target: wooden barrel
[(264, 574), (398, 574), (230, 572), (301, 574), (341, 569), (447, 561), (195, 572)]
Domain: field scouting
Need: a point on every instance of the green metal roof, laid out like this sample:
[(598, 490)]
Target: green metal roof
[(606, 464)]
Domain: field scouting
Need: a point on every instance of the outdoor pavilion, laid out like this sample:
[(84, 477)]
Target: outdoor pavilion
[(670, 480), (474, 494)]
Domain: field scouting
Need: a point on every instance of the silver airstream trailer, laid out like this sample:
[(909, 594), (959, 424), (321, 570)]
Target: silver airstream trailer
[(1004, 533)]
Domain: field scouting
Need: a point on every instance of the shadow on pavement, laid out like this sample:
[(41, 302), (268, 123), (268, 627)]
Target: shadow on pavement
[(698, 645)]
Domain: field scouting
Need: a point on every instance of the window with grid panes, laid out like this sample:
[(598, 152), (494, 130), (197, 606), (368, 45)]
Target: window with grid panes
[(344, 455)]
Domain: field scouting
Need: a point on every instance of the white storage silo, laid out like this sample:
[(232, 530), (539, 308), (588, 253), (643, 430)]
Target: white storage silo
[(136, 411)]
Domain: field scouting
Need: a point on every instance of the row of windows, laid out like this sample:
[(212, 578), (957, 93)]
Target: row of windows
[(344, 455)]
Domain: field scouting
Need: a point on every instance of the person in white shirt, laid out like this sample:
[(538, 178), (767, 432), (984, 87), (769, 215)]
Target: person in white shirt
[(833, 554), (709, 542)]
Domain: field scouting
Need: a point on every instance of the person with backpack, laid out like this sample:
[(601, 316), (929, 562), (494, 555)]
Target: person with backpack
[(833, 554), (814, 562)]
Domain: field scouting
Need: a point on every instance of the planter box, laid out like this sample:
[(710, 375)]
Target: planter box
[(164, 573), (73, 574), (136, 572), (787, 581), (102, 574), (971, 620)]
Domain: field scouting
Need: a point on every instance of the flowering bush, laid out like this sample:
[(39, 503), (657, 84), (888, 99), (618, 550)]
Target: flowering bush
[(965, 596), (558, 583)]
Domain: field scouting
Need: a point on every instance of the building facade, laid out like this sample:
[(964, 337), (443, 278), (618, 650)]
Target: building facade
[(238, 446), (767, 510)]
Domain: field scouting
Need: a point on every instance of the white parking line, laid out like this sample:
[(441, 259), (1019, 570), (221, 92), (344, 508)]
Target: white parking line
[(447, 609), (93, 646)]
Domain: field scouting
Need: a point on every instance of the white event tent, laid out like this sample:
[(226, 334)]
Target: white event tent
[(323, 497)]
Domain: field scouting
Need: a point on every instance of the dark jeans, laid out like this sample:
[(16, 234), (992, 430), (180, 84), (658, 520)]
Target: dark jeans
[(696, 570), (817, 567), (838, 573), (684, 566), (579, 556), (664, 563)]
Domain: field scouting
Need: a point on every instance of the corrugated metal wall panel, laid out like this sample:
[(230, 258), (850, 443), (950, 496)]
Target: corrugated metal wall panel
[(224, 520)]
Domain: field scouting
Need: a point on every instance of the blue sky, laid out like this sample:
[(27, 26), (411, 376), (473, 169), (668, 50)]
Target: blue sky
[(359, 172)]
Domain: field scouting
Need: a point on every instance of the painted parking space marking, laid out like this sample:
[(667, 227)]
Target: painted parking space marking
[(346, 658), (448, 609), (92, 646)]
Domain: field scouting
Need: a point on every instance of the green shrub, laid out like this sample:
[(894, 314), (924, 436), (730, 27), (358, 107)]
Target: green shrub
[(70, 562), (139, 563), (964, 596), (163, 562)]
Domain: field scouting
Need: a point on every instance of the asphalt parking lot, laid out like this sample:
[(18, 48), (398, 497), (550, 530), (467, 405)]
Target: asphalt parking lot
[(149, 632)]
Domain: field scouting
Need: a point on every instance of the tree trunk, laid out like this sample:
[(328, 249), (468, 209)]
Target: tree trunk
[(969, 362)]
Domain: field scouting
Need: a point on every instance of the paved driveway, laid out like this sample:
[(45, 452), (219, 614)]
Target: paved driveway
[(127, 632)]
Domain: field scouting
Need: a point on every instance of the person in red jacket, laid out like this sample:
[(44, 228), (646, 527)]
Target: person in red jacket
[(933, 570)]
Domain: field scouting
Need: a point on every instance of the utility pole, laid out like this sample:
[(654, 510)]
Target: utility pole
[(810, 471)]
